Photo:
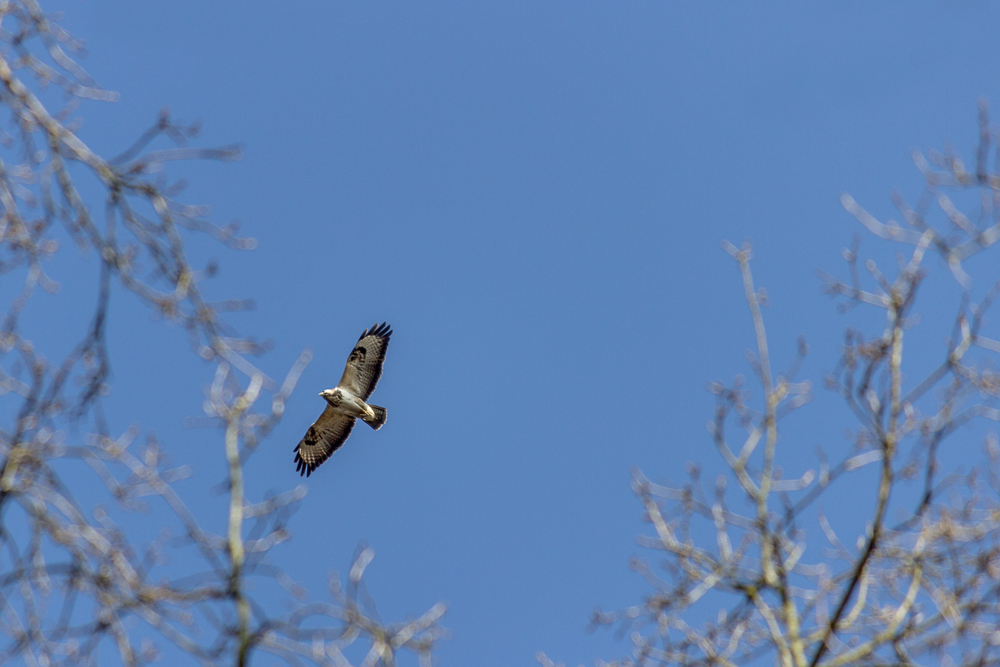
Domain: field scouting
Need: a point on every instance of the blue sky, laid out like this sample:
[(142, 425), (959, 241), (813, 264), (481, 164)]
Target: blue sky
[(533, 194)]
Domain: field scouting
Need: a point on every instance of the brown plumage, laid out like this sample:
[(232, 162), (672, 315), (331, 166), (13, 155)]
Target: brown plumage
[(347, 401)]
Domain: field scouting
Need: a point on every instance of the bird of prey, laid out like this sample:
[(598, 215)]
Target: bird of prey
[(347, 401)]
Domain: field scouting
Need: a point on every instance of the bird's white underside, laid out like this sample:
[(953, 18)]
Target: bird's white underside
[(349, 404)]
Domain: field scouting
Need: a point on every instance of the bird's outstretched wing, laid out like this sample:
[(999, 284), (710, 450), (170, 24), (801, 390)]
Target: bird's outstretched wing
[(364, 366), (323, 438)]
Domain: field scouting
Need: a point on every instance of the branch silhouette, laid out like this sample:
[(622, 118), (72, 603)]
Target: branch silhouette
[(75, 582)]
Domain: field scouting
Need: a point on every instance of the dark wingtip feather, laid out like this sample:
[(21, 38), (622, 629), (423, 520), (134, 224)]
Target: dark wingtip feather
[(301, 467), (381, 330)]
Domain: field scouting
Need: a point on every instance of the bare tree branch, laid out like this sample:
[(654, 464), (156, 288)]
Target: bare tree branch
[(903, 592), (75, 581)]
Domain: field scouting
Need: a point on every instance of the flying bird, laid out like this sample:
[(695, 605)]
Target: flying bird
[(347, 401)]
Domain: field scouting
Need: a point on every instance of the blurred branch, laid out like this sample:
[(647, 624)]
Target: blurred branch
[(76, 581), (737, 586)]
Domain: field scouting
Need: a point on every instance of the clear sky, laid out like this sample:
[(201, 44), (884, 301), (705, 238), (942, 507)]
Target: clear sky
[(533, 194)]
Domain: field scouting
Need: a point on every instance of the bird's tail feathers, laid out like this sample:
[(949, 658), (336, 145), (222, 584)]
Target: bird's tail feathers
[(379, 419)]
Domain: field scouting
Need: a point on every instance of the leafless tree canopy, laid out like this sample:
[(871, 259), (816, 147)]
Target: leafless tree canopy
[(752, 572), (73, 584)]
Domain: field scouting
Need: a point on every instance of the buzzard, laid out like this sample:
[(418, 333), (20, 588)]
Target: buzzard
[(346, 401)]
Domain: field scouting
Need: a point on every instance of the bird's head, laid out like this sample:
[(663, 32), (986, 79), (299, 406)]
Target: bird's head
[(332, 396)]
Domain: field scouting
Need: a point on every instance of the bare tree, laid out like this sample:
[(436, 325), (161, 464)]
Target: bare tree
[(72, 582), (764, 578)]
